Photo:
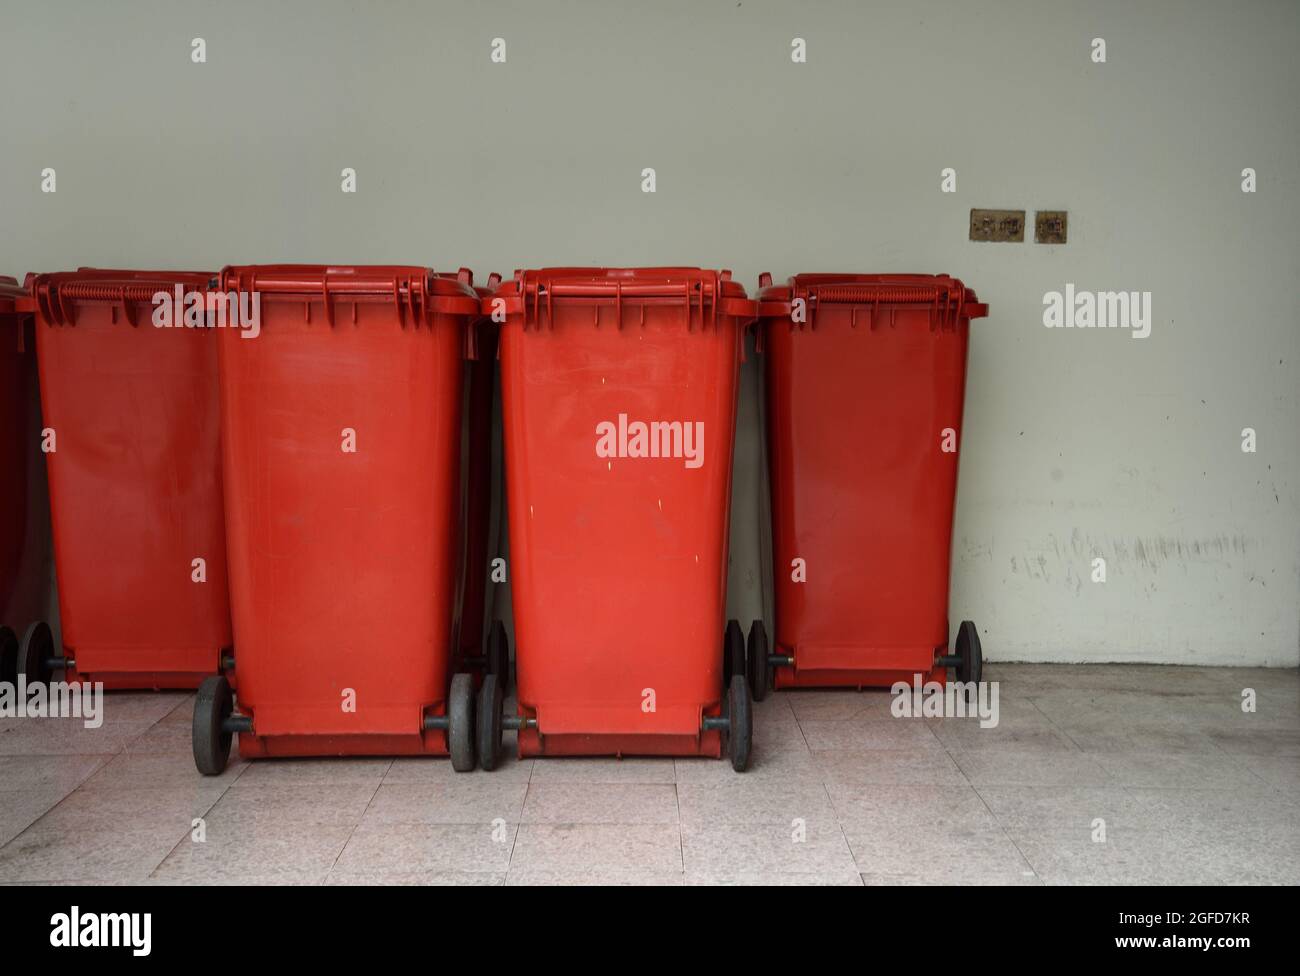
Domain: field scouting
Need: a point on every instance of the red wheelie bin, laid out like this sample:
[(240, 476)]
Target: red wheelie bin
[(619, 409), (14, 324), (341, 438), (129, 396), (865, 380)]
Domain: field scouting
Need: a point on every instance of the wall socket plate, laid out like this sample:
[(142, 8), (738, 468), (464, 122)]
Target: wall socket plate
[(997, 225), (1050, 226)]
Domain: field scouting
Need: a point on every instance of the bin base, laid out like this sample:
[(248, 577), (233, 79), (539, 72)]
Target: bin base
[(142, 668), (706, 744), (787, 677), (430, 743), (142, 680)]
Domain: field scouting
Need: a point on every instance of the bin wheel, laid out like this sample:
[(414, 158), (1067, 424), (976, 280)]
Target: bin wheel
[(760, 670), (8, 656), (733, 652), (212, 706), (971, 667), (460, 722), (498, 654), (489, 722), (740, 717), (35, 653)]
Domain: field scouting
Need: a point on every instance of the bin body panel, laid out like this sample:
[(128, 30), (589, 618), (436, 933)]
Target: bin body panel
[(341, 447), (135, 484), (618, 563), (13, 453), (863, 491)]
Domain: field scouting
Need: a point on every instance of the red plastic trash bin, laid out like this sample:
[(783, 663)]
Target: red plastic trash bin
[(865, 379), (133, 459), (619, 409), (13, 460), (341, 438)]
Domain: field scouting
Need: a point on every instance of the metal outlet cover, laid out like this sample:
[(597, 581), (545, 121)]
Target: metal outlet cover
[(997, 225), (1050, 226)]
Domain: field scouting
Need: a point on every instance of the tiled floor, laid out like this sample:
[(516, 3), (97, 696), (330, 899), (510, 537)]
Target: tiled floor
[(1190, 790)]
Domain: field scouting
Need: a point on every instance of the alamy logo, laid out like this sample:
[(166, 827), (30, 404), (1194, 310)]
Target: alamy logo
[(1098, 310), (55, 699), (212, 310), (954, 699), (74, 930), (656, 439)]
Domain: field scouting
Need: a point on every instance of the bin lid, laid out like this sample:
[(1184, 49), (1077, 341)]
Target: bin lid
[(850, 289), (11, 293), (412, 288), (483, 291), (328, 280), (57, 293), (632, 282), (943, 293), (532, 291), (106, 284), (467, 276), (490, 286), (15, 309)]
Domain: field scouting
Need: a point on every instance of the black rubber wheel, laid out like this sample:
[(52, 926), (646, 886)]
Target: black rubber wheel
[(460, 722), (8, 656), (740, 716), (212, 706), (498, 654), (733, 652), (490, 700), (971, 667), (35, 652), (760, 670)]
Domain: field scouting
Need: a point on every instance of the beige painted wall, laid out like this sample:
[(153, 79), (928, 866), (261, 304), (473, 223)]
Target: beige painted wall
[(1076, 443)]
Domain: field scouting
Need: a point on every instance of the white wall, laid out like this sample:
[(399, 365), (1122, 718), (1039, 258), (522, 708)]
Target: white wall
[(1076, 443)]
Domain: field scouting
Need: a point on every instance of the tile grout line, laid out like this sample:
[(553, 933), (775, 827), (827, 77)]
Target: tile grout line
[(80, 783), (528, 788), (77, 788), (821, 780), (353, 831), (681, 834), (1001, 826), (840, 824), (203, 816)]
